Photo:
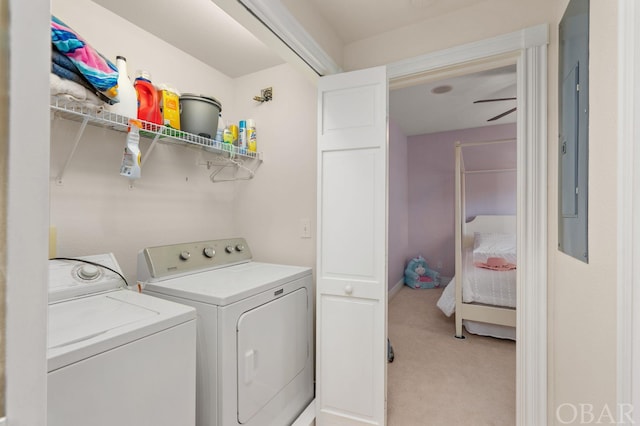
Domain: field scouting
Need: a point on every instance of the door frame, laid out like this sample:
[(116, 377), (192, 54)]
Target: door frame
[(528, 49), (628, 229)]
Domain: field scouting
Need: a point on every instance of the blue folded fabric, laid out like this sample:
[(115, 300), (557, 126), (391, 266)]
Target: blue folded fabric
[(70, 75), (99, 71), (62, 60), (77, 78)]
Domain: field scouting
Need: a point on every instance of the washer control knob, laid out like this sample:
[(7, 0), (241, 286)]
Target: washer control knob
[(240, 247), (209, 252), (185, 255), (88, 272), (229, 249)]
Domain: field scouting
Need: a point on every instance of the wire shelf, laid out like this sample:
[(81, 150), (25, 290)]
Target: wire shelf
[(100, 117), (227, 156)]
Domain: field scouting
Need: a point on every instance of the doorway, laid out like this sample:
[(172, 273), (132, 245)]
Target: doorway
[(426, 120), (528, 49)]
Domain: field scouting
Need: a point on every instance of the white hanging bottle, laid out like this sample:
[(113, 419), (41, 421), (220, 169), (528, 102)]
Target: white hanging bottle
[(128, 105), (132, 157)]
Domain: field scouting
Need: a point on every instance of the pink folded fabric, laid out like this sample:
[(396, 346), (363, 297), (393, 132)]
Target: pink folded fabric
[(496, 264)]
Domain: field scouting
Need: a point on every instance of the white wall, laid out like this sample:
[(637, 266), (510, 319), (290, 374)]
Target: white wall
[(582, 297), (26, 214), (268, 209), (94, 209)]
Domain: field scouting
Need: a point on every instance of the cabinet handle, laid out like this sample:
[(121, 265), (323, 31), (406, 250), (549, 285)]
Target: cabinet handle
[(348, 289)]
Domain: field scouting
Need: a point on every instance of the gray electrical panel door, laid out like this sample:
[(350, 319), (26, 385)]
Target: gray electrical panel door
[(573, 120)]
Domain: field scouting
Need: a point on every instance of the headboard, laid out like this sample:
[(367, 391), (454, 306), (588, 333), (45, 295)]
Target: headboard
[(487, 223)]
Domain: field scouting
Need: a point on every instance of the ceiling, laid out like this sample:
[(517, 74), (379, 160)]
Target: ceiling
[(418, 110), (206, 32), (201, 29), (355, 20)]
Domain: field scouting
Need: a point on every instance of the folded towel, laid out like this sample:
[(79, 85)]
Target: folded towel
[(72, 93), (100, 72), (70, 75), (79, 79)]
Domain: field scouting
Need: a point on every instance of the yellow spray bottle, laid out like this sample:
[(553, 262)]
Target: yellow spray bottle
[(131, 159)]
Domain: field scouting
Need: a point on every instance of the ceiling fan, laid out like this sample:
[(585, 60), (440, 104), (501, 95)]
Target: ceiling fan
[(497, 100)]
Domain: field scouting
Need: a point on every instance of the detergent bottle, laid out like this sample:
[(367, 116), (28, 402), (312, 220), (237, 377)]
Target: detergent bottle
[(128, 105), (169, 100), (148, 99)]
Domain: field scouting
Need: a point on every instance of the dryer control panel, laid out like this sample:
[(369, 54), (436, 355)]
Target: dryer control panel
[(161, 262)]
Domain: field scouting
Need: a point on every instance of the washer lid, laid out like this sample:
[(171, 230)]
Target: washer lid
[(83, 327), (230, 284)]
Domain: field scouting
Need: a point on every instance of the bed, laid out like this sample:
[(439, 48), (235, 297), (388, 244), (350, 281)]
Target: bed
[(483, 300)]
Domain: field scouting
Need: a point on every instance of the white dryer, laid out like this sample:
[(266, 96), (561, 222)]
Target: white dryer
[(115, 356), (255, 329)]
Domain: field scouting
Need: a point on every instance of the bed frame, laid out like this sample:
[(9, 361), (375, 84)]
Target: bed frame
[(464, 234)]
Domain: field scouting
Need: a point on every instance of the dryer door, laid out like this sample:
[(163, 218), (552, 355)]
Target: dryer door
[(273, 347)]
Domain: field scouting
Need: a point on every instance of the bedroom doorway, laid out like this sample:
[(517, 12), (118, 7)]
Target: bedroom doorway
[(527, 49), (425, 122)]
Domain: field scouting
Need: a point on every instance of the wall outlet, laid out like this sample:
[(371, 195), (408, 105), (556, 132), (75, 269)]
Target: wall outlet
[(305, 228), (439, 264)]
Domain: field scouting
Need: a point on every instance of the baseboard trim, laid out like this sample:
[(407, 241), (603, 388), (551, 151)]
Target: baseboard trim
[(395, 289)]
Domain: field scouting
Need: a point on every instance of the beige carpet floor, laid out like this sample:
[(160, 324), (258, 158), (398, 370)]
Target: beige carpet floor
[(439, 380)]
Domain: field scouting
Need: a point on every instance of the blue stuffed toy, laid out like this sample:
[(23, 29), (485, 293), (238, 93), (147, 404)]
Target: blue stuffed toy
[(419, 275)]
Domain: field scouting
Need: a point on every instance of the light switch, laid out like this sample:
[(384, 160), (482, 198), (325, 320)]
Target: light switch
[(305, 228)]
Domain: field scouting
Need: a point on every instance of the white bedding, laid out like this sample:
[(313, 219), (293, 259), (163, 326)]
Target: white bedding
[(483, 286)]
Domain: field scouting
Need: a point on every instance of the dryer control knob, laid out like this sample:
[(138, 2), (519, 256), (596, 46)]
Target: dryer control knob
[(185, 255), (209, 252), (240, 247), (228, 249), (88, 272)]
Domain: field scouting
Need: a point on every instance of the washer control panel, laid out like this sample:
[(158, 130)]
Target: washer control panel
[(177, 259), (73, 277)]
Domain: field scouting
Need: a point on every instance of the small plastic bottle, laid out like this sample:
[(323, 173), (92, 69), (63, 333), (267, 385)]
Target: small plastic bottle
[(252, 143), (132, 157), (128, 105), (220, 131), (242, 136)]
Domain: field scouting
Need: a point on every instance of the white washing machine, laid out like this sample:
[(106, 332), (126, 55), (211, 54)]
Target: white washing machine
[(255, 329), (115, 356)]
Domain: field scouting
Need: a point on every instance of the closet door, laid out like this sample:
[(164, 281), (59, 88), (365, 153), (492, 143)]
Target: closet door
[(352, 248)]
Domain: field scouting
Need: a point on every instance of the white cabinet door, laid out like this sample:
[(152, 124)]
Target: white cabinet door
[(352, 248)]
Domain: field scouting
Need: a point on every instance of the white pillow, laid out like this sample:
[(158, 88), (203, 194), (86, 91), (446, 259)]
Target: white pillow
[(494, 243)]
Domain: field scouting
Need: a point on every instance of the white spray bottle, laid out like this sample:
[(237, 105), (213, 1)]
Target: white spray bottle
[(131, 159)]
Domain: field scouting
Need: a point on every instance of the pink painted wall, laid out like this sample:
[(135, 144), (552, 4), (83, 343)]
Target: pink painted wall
[(431, 186), (398, 240)]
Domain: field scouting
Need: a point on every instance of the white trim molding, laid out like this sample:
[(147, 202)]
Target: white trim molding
[(628, 232), (528, 49), (393, 291)]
